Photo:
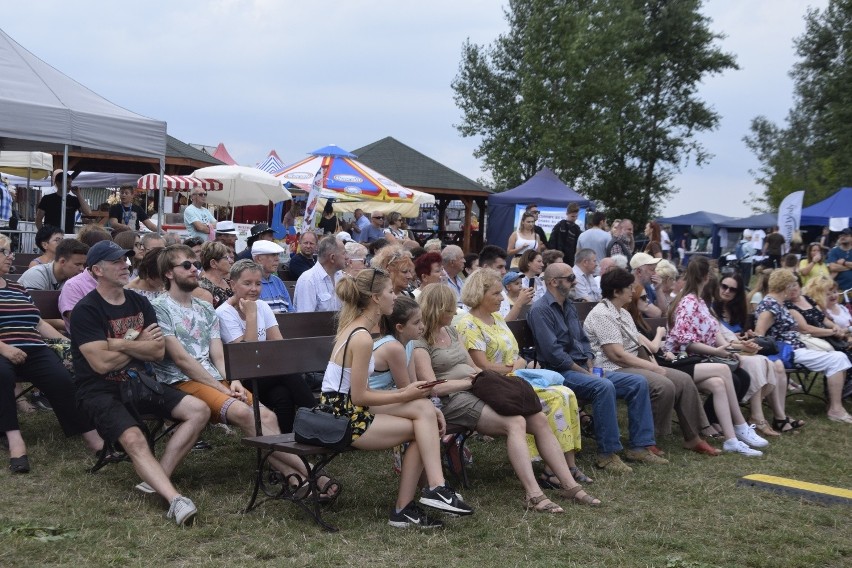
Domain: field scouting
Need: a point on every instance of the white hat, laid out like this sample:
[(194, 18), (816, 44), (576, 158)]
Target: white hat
[(641, 259), (265, 247), (344, 237), (226, 227)]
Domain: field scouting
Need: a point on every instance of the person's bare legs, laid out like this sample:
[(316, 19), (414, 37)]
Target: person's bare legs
[(17, 447), (241, 415), (192, 416), (715, 387), (835, 394), (146, 465)]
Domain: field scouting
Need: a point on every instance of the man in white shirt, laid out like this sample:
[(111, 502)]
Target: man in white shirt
[(665, 243), (315, 288), (452, 258), (586, 288)]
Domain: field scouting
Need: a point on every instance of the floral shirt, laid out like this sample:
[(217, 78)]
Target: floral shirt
[(784, 327), (220, 295), (693, 323), (813, 315), (195, 327), (497, 340)]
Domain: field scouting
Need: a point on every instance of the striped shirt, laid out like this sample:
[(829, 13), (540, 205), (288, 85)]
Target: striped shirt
[(18, 317)]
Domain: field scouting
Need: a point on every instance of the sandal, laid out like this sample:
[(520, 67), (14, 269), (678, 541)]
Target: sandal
[(585, 499), (330, 490), (541, 504), (711, 432), (787, 425), (549, 481), (24, 406), (765, 429), (297, 485), (579, 476), (20, 464)]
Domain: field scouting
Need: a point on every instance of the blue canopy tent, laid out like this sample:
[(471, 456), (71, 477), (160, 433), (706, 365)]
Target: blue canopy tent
[(681, 224), (761, 221), (544, 189), (837, 205)]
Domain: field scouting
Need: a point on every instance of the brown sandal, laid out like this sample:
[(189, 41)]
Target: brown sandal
[(585, 499), (765, 429), (541, 504)]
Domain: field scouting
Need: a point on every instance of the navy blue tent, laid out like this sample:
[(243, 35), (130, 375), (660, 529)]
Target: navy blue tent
[(681, 223), (762, 221), (544, 189), (838, 205)]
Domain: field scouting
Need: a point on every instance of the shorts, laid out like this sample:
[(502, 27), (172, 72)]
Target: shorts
[(462, 408), (827, 362), (217, 401), (101, 402), (359, 417)]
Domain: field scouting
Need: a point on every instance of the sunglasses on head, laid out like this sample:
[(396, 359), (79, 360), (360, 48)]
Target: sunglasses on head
[(186, 265), (373, 279), (726, 288)]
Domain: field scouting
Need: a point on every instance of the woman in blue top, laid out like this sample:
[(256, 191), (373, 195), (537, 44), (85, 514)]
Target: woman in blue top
[(392, 352)]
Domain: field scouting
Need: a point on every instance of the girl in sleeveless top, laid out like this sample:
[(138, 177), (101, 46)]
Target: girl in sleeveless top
[(523, 239), (384, 419)]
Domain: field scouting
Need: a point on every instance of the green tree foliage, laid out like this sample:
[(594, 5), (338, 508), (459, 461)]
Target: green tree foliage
[(603, 92), (814, 151)]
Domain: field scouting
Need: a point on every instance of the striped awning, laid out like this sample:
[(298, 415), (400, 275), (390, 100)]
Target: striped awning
[(177, 183)]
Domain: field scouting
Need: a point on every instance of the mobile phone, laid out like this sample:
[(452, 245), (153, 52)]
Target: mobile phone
[(732, 349), (431, 384)]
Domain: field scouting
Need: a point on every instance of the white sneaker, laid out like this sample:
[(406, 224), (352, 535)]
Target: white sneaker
[(145, 488), (735, 446), (745, 433), (182, 510)]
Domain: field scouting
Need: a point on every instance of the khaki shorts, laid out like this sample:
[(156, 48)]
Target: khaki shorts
[(462, 409), (217, 401)]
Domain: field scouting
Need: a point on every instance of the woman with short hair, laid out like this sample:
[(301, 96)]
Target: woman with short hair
[(813, 265), (531, 266), (216, 260)]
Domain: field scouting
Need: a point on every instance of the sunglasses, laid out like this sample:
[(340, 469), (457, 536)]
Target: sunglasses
[(201, 193), (379, 217), (569, 278), (726, 288), (186, 265), (373, 279)]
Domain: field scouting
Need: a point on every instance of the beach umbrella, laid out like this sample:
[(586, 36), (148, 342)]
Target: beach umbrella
[(242, 186)]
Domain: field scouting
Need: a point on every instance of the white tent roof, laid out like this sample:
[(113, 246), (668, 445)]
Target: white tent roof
[(44, 109), (38, 164)]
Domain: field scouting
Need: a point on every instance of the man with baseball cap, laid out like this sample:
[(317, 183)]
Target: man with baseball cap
[(114, 336), (644, 268), (261, 231), (272, 288)]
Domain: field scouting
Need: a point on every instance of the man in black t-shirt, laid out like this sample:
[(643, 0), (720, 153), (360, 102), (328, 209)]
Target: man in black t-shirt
[(127, 215), (49, 210), (114, 335)]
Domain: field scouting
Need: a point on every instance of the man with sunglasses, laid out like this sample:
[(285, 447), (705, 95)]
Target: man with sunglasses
[(644, 267), (376, 229), (562, 345), (198, 219)]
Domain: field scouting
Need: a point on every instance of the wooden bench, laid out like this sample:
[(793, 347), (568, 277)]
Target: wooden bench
[(309, 324), (47, 302), (259, 360)]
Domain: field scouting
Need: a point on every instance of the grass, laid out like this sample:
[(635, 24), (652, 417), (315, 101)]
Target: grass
[(689, 514)]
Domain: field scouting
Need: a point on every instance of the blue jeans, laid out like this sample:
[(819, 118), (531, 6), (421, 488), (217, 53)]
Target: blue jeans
[(602, 393)]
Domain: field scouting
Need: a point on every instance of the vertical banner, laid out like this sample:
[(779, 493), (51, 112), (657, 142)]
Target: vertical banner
[(313, 196), (790, 215)]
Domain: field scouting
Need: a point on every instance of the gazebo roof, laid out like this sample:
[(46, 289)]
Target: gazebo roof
[(413, 169)]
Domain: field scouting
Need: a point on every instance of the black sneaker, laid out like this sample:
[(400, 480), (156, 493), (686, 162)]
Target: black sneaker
[(445, 499), (413, 516), (40, 401)]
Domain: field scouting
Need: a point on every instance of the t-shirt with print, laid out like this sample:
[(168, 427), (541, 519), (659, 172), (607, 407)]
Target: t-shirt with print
[(95, 319), (496, 341), (232, 326), (130, 216), (194, 327)]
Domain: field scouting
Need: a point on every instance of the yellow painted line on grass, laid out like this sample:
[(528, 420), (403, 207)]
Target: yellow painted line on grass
[(825, 493)]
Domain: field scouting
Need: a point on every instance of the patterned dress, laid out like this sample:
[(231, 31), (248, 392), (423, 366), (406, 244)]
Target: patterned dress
[(559, 403)]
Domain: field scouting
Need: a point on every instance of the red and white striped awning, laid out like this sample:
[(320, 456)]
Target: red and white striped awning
[(177, 183)]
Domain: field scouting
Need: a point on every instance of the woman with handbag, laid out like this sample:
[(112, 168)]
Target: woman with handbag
[(695, 330), (813, 321), (491, 345), (617, 342), (383, 419), (768, 376), (441, 354), (774, 320)]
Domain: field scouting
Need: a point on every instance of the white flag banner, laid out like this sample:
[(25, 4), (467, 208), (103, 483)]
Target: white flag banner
[(790, 215), (313, 197)]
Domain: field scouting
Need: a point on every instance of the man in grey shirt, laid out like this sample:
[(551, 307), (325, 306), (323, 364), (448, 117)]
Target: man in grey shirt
[(70, 261), (596, 237)]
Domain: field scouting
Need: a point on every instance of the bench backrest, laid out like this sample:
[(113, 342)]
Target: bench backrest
[(583, 309), (308, 324), (263, 359), (47, 302)]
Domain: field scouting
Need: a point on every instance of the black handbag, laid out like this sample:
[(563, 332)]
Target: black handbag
[(767, 345), (141, 388), (320, 425), (678, 362)]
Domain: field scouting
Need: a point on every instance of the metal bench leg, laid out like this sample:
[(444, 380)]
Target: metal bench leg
[(313, 507)]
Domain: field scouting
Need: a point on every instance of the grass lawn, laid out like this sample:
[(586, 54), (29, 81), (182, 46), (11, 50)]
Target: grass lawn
[(687, 514)]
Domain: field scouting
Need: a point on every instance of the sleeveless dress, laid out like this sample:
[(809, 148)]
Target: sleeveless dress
[(337, 377)]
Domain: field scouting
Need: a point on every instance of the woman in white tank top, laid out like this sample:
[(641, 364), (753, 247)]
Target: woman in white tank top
[(523, 239)]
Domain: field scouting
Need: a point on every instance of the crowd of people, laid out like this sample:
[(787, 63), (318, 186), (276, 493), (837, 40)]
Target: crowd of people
[(418, 327)]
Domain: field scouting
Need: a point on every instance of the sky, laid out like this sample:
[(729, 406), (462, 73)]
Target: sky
[(295, 76)]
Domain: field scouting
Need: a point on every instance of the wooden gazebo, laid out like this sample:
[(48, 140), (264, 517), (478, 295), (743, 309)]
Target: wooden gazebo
[(413, 169)]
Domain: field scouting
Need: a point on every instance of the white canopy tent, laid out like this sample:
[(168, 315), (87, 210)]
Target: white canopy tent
[(32, 165)]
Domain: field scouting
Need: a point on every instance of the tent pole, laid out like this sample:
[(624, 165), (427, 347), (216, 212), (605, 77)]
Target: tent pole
[(64, 187), (160, 198)]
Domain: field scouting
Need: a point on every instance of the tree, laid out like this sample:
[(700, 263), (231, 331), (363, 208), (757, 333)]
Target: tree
[(814, 151), (603, 92)]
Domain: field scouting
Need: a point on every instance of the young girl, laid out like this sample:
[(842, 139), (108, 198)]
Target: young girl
[(384, 419), (393, 351)]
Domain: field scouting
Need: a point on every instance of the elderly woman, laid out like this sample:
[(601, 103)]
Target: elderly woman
[(396, 261), (768, 378), (441, 354), (244, 317), (24, 356), (811, 319), (356, 253), (394, 232), (615, 338), (774, 320), (429, 269), (813, 265), (491, 345), (47, 239), (216, 260), (826, 294), (695, 330)]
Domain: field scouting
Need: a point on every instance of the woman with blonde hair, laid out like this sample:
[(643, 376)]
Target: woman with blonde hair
[(668, 278), (523, 239), (398, 263), (382, 419), (759, 290), (441, 354)]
